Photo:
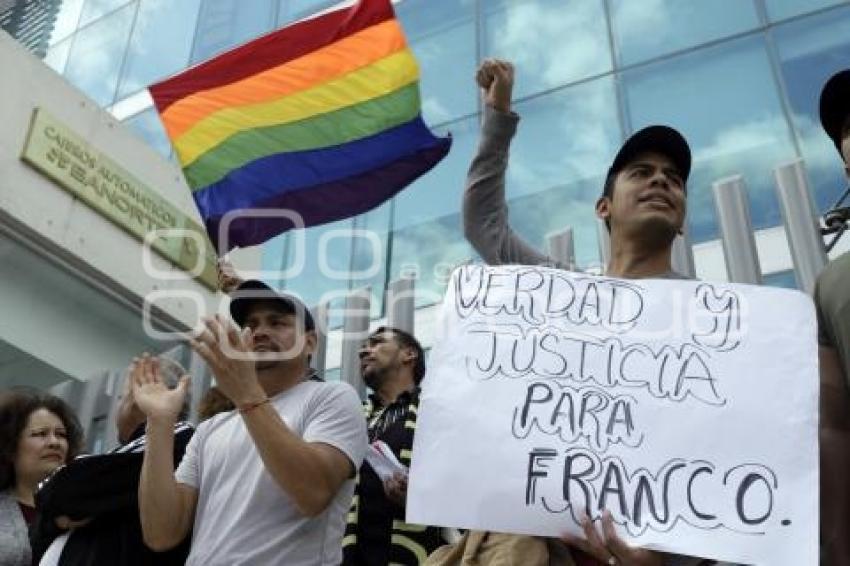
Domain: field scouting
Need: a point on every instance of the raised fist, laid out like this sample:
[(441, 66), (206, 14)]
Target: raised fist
[(496, 79)]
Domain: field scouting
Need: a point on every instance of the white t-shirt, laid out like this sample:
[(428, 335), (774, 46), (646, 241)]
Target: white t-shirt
[(243, 517)]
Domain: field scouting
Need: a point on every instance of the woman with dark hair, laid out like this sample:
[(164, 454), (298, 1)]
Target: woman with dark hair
[(38, 433)]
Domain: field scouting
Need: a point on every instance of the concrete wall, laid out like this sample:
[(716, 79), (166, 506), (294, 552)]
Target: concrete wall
[(72, 284)]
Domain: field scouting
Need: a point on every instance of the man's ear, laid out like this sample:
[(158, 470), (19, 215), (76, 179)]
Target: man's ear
[(408, 355), (311, 341), (603, 208)]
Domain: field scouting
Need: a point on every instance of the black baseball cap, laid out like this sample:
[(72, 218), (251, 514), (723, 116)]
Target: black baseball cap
[(661, 139), (252, 291), (835, 105)]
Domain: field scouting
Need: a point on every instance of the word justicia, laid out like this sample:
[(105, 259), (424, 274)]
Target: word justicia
[(665, 373)]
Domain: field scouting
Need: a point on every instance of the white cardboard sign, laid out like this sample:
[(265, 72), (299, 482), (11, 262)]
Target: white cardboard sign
[(687, 409)]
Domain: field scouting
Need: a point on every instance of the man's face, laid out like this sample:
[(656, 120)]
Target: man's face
[(380, 357), (649, 194), (277, 336)]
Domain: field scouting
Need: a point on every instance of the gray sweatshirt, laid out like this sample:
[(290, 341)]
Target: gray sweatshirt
[(487, 228), (14, 536)]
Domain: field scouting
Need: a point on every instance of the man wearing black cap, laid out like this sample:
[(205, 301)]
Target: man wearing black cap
[(270, 482), (832, 299), (642, 204), (833, 288), (392, 364)]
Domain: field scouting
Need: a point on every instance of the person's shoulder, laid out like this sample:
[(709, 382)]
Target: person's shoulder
[(204, 428), (331, 393), (332, 389), (6, 495), (833, 280), (837, 270)]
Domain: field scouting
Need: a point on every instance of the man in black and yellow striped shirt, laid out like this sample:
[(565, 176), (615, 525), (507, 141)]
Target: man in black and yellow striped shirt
[(392, 365)]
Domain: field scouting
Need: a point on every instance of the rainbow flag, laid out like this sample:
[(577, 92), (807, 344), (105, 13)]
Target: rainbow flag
[(321, 118)]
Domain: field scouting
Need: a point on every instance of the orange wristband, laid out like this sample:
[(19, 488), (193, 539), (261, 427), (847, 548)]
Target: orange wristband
[(252, 406)]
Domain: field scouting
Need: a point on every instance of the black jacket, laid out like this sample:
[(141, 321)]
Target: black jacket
[(105, 489)]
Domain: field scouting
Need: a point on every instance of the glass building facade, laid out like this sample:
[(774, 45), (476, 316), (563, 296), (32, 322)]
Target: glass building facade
[(739, 78)]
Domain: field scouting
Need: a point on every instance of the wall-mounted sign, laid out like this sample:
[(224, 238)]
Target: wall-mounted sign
[(71, 162)]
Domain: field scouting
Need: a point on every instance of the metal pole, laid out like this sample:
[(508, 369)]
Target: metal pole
[(801, 225), (562, 248), (401, 304), (70, 391), (736, 231), (682, 256), (89, 405), (320, 317), (114, 388), (354, 330)]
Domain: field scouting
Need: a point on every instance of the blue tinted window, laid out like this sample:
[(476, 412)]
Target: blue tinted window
[(781, 9), (96, 55), (785, 279), (811, 50), (223, 24), (369, 254), (275, 255), (161, 41), (94, 9), (147, 126), (442, 36), (66, 20), (292, 10), (323, 273), (551, 42), (57, 55), (724, 101), (427, 235), (650, 28), (429, 252), (556, 176), (333, 374)]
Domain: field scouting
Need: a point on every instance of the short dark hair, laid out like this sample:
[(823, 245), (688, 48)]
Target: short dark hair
[(407, 340), (610, 181), (608, 190), (15, 409), (845, 127)]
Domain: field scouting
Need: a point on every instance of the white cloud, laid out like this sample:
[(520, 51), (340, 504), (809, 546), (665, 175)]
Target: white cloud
[(756, 135), (637, 21), (554, 45)]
